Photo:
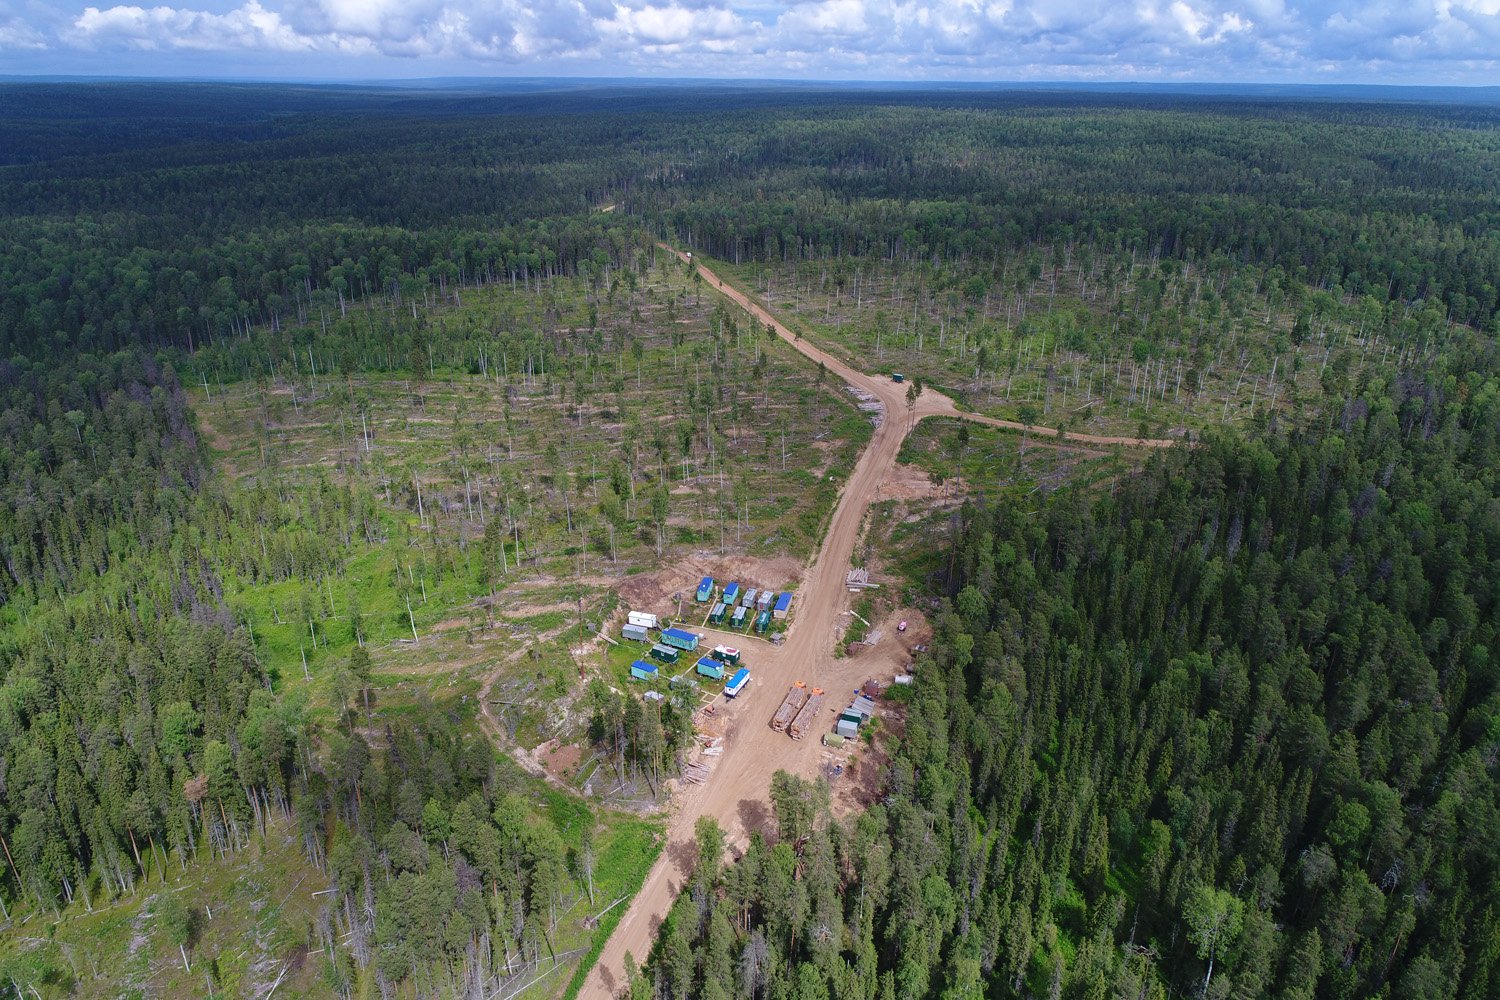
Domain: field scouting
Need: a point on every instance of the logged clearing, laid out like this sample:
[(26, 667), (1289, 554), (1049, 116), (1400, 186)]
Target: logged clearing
[(737, 792)]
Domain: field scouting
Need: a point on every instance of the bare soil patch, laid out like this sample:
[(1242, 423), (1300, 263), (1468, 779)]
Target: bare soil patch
[(654, 591)]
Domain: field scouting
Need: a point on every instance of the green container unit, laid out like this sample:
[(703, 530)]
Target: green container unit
[(726, 653), (763, 621), (716, 616), (741, 617), (665, 654)]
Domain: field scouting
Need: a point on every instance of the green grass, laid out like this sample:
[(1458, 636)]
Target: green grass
[(624, 861), (974, 461)]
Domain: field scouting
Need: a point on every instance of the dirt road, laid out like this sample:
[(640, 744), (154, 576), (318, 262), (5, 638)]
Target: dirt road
[(737, 794)]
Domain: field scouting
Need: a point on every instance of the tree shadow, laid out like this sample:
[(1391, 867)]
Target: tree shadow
[(756, 818), (683, 854)]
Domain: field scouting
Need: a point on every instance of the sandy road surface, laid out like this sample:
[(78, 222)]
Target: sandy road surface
[(738, 793)]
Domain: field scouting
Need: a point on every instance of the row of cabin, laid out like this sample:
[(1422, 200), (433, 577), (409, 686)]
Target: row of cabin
[(740, 619), (644, 670), (733, 599)]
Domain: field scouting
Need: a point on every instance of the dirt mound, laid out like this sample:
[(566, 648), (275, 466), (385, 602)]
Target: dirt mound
[(911, 482)]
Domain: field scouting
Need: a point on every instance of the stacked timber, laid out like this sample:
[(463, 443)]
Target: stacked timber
[(796, 697), (807, 716)]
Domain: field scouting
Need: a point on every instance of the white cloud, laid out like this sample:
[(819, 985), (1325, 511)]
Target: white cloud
[(971, 39)]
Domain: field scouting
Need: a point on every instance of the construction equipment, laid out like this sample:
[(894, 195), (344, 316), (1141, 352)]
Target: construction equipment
[(807, 716), (796, 697)]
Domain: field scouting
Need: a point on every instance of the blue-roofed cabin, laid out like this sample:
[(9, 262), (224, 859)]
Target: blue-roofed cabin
[(705, 590), (681, 638), (731, 593), (711, 668), (737, 682), (783, 605), (641, 670)]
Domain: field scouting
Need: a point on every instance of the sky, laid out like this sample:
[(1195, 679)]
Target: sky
[(1269, 41)]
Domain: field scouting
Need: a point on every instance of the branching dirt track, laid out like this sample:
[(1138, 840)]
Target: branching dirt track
[(738, 793)]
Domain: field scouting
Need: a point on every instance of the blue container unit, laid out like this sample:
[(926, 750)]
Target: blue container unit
[(737, 682), (731, 594), (641, 670), (705, 590), (783, 605), (711, 668)]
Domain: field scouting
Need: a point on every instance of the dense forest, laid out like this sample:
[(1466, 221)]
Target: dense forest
[(188, 237), (1231, 731), (1227, 726)]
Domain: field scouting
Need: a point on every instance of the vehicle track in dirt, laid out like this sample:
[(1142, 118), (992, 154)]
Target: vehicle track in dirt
[(737, 794)]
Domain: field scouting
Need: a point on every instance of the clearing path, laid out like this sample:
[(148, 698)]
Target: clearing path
[(739, 790)]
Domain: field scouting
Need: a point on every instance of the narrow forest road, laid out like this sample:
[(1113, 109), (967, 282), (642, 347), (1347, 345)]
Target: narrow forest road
[(737, 794)]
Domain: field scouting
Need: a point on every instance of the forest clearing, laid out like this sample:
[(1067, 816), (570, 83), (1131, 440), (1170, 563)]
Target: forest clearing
[(740, 543)]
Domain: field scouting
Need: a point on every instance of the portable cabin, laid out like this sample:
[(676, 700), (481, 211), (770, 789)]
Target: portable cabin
[(740, 617), (763, 602), (737, 682), (643, 619), (749, 599), (705, 590), (783, 605), (833, 740), (641, 670), (716, 616), (846, 728), (731, 594), (862, 707), (763, 621), (636, 633), (897, 377), (654, 696), (665, 654), (726, 653), (711, 668), (682, 680), (681, 638)]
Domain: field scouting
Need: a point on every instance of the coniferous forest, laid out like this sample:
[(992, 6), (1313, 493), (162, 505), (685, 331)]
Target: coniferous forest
[(1223, 722)]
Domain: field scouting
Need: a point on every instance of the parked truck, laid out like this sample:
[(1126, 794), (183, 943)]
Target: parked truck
[(808, 716), (796, 697)]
